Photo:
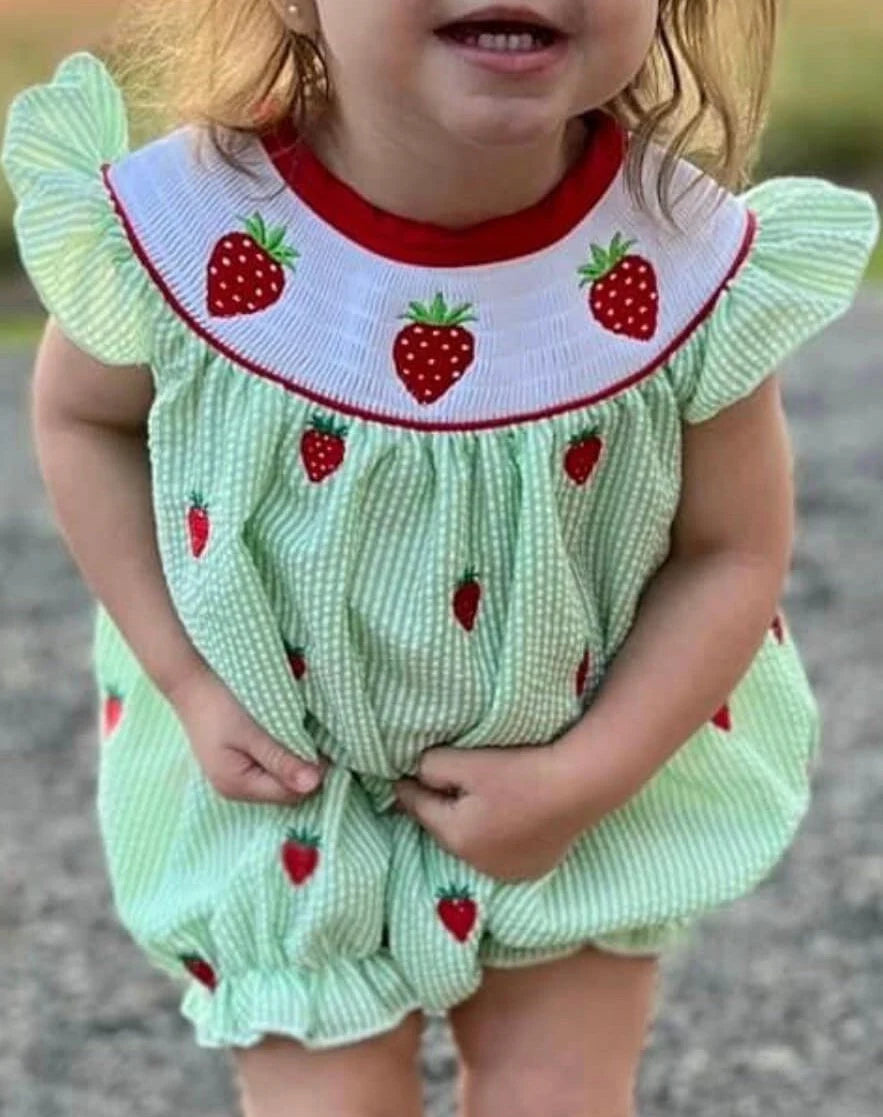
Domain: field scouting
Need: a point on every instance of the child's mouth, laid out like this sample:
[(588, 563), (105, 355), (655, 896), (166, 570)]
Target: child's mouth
[(501, 36), (509, 41)]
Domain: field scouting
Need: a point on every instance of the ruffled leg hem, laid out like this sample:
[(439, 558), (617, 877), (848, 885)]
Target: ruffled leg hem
[(635, 942), (350, 1001)]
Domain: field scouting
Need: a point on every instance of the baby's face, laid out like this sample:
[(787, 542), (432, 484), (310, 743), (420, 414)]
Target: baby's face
[(482, 72)]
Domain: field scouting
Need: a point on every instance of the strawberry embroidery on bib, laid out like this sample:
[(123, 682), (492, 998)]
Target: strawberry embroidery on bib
[(434, 351), (300, 856), (323, 448), (467, 597), (201, 970), (112, 710), (582, 456), (624, 291), (457, 911), (198, 525), (246, 271)]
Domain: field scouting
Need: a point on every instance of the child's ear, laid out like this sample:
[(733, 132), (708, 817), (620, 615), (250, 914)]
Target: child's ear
[(300, 16)]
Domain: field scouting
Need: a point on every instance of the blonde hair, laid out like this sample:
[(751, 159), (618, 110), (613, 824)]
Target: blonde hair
[(234, 66)]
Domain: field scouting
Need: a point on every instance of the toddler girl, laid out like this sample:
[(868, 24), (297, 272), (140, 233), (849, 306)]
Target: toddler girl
[(410, 409)]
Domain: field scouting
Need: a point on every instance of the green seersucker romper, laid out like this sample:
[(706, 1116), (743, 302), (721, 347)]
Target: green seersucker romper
[(409, 485)]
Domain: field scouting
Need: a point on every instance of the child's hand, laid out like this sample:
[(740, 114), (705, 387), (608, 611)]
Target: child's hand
[(239, 759), (511, 813)]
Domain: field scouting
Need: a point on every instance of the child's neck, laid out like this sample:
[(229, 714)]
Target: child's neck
[(413, 175)]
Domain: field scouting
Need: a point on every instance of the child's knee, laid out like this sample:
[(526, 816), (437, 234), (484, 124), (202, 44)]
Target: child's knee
[(553, 1091), (378, 1077)]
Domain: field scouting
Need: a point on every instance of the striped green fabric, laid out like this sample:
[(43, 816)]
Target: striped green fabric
[(327, 609)]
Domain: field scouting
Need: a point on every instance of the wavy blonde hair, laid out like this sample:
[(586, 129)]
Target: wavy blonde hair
[(234, 65)]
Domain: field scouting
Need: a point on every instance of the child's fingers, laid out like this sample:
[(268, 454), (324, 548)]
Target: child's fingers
[(429, 808), (237, 775), (286, 768), (258, 786)]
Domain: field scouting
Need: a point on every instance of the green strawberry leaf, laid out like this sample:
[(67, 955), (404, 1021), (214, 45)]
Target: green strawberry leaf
[(255, 228), (438, 314), (460, 315), (599, 258)]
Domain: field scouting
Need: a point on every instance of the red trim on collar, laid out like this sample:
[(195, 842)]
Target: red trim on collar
[(425, 244), (219, 346)]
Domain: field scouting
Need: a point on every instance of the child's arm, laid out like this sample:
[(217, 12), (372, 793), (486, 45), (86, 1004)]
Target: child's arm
[(705, 614), (90, 433)]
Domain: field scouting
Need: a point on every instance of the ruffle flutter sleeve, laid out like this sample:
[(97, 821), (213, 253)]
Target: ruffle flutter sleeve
[(811, 248), (58, 139)]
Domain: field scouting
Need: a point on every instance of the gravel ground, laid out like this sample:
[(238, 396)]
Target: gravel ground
[(776, 1009)]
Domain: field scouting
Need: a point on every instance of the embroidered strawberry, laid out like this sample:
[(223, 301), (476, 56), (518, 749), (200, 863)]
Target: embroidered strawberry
[(778, 628), (113, 710), (198, 525), (582, 673), (323, 448), (467, 597), (624, 295), (201, 970), (582, 456), (296, 660), (433, 352), (458, 911), (246, 271), (300, 855), (722, 718)]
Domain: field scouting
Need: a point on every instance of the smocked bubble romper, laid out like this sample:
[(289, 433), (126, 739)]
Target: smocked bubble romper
[(409, 485)]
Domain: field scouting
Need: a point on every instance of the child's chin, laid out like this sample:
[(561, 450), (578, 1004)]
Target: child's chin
[(501, 122)]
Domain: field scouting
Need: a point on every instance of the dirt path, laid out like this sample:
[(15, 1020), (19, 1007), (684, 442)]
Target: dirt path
[(774, 1012)]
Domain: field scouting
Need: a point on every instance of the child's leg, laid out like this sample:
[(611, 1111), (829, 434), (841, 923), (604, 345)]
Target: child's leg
[(563, 1038), (377, 1078)]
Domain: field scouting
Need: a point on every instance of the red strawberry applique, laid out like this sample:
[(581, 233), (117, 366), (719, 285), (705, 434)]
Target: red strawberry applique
[(458, 911), (323, 448), (198, 525), (112, 710), (582, 673), (778, 628), (722, 718), (433, 352), (201, 970), (582, 456), (296, 660), (624, 295), (246, 271), (300, 855), (467, 598)]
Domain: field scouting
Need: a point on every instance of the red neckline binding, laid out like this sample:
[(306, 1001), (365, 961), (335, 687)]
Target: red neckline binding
[(422, 243)]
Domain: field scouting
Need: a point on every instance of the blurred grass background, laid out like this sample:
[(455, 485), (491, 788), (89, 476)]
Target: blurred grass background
[(827, 116)]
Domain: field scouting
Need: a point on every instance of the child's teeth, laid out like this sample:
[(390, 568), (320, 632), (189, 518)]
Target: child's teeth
[(513, 42)]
